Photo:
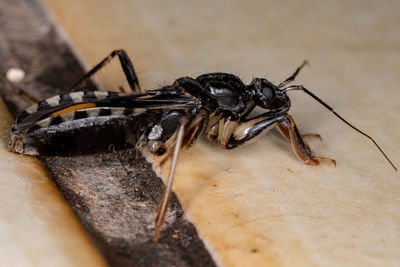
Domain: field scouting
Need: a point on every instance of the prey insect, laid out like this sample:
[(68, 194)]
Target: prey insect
[(164, 120)]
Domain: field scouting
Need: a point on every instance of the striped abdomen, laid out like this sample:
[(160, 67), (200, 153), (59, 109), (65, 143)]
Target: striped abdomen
[(75, 123)]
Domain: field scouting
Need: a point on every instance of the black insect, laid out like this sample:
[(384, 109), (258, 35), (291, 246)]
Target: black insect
[(216, 104)]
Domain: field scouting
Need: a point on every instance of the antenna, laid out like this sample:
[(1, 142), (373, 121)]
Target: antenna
[(300, 87)]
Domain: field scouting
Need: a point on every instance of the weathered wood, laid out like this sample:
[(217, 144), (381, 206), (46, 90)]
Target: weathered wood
[(114, 194)]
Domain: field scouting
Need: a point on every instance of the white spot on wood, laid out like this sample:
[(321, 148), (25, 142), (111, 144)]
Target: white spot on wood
[(15, 75)]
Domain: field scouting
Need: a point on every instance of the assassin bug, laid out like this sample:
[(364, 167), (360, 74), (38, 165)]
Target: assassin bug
[(175, 116)]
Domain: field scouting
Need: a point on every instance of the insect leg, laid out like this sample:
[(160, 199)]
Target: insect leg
[(247, 131), (226, 128), (285, 133), (193, 131), (27, 95), (126, 65), (162, 208), (293, 76), (289, 130)]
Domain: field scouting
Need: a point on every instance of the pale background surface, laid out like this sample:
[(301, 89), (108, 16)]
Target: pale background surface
[(258, 204)]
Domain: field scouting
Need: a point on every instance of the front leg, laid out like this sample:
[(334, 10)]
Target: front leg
[(289, 130), (126, 65), (284, 131), (248, 131), (235, 134)]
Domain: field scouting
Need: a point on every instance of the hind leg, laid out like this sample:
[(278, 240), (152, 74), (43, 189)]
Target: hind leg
[(126, 65)]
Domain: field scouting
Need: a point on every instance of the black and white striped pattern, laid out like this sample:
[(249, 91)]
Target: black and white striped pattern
[(67, 99), (90, 113)]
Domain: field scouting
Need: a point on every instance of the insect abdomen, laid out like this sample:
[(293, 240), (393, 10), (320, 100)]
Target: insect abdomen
[(82, 131)]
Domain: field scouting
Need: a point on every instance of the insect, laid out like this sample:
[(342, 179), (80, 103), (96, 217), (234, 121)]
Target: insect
[(165, 120)]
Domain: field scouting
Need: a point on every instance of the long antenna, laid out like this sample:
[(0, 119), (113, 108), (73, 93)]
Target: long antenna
[(300, 87)]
